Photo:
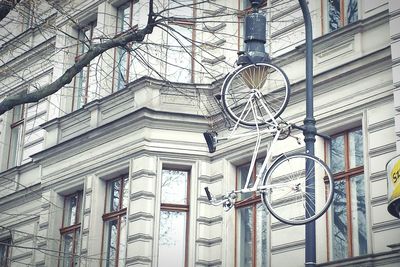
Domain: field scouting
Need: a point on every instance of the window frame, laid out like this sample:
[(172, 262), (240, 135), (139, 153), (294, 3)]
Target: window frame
[(116, 215), (191, 25), (115, 76), (346, 176), (74, 228), (342, 19), (181, 208), (15, 124), (7, 243), (252, 202), (79, 78)]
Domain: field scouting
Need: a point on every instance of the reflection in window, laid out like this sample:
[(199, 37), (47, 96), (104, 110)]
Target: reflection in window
[(172, 238), (85, 82), (348, 238), (16, 140), (180, 61), (173, 218), (340, 13), (115, 222), (70, 230), (127, 18), (339, 214), (252, 225), (5, 251)]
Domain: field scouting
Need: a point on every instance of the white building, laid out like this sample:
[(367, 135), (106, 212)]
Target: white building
[(110, 170)]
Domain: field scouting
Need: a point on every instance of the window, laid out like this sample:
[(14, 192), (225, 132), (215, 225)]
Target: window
[(180, 42), (339, 13), (251, 224), (70, 231), (85, 81), (174, 218), (348, 229), (115, 222), (127, 18), (16, 136), (5, 252), (26, 14)]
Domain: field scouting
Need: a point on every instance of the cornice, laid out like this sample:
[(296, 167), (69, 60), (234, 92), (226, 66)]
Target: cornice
[(141, 118)]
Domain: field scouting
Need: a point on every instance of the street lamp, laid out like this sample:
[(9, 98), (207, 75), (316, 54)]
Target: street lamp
[(255, 38)]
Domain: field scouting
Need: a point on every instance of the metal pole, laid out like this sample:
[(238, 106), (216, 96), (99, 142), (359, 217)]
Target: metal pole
[(309, 134)]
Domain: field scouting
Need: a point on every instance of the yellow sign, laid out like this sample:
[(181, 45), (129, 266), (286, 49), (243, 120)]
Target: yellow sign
[(393, 171)]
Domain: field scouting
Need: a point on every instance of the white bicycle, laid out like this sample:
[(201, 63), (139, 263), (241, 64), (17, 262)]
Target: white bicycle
[(254, 96)]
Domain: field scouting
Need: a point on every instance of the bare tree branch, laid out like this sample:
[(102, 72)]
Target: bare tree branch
[(131, 35)]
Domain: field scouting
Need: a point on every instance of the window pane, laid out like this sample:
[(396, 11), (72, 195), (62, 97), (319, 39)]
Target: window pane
[(67, 244), (262, 235), (4, 252), (337, 162), (356, 148), (174, 187), (358, 213), (111, 239), (125, 193), (17, 113), (70, 213), (352, 11), (14, 145), (242, 176), (179, 54), (181, 8), (172, 242), (123, 21), (120, 65), (115, 195), (339, 219), (334, 14), (245, 233)]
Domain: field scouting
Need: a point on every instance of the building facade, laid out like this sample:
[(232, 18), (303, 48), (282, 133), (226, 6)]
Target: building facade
[(111, 170)]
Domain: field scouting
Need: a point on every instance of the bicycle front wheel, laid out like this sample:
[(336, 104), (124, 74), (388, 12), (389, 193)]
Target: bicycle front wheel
[(255, 94), (289, 192)]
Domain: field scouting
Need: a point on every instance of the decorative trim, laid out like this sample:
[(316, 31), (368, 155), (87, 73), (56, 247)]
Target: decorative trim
[(376, 176), (209, 242), (21, 256), (387, 225), (381, 125), (288, 247), (389, 148), (209, 263), (215, 28), (378, 201), (215, 12), (211, 179), (143, 174), (140, 216), (43, 226), (141, 194), (139, 237), (213, 61), (138, 260), (210, 221)]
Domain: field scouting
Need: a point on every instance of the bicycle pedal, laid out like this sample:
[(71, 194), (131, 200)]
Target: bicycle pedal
[(211, 140)]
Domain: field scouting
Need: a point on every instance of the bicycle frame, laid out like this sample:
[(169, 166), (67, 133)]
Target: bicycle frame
[(275, 130)]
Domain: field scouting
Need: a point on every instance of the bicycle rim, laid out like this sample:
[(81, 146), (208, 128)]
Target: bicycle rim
[(290, 191), (255, 94)]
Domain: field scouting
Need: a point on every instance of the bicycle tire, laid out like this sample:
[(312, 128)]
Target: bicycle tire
[(267, 86), (285, 194)]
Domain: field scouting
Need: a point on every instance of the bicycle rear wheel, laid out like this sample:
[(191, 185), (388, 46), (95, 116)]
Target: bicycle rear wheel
[(255, 94), (289, 190)]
